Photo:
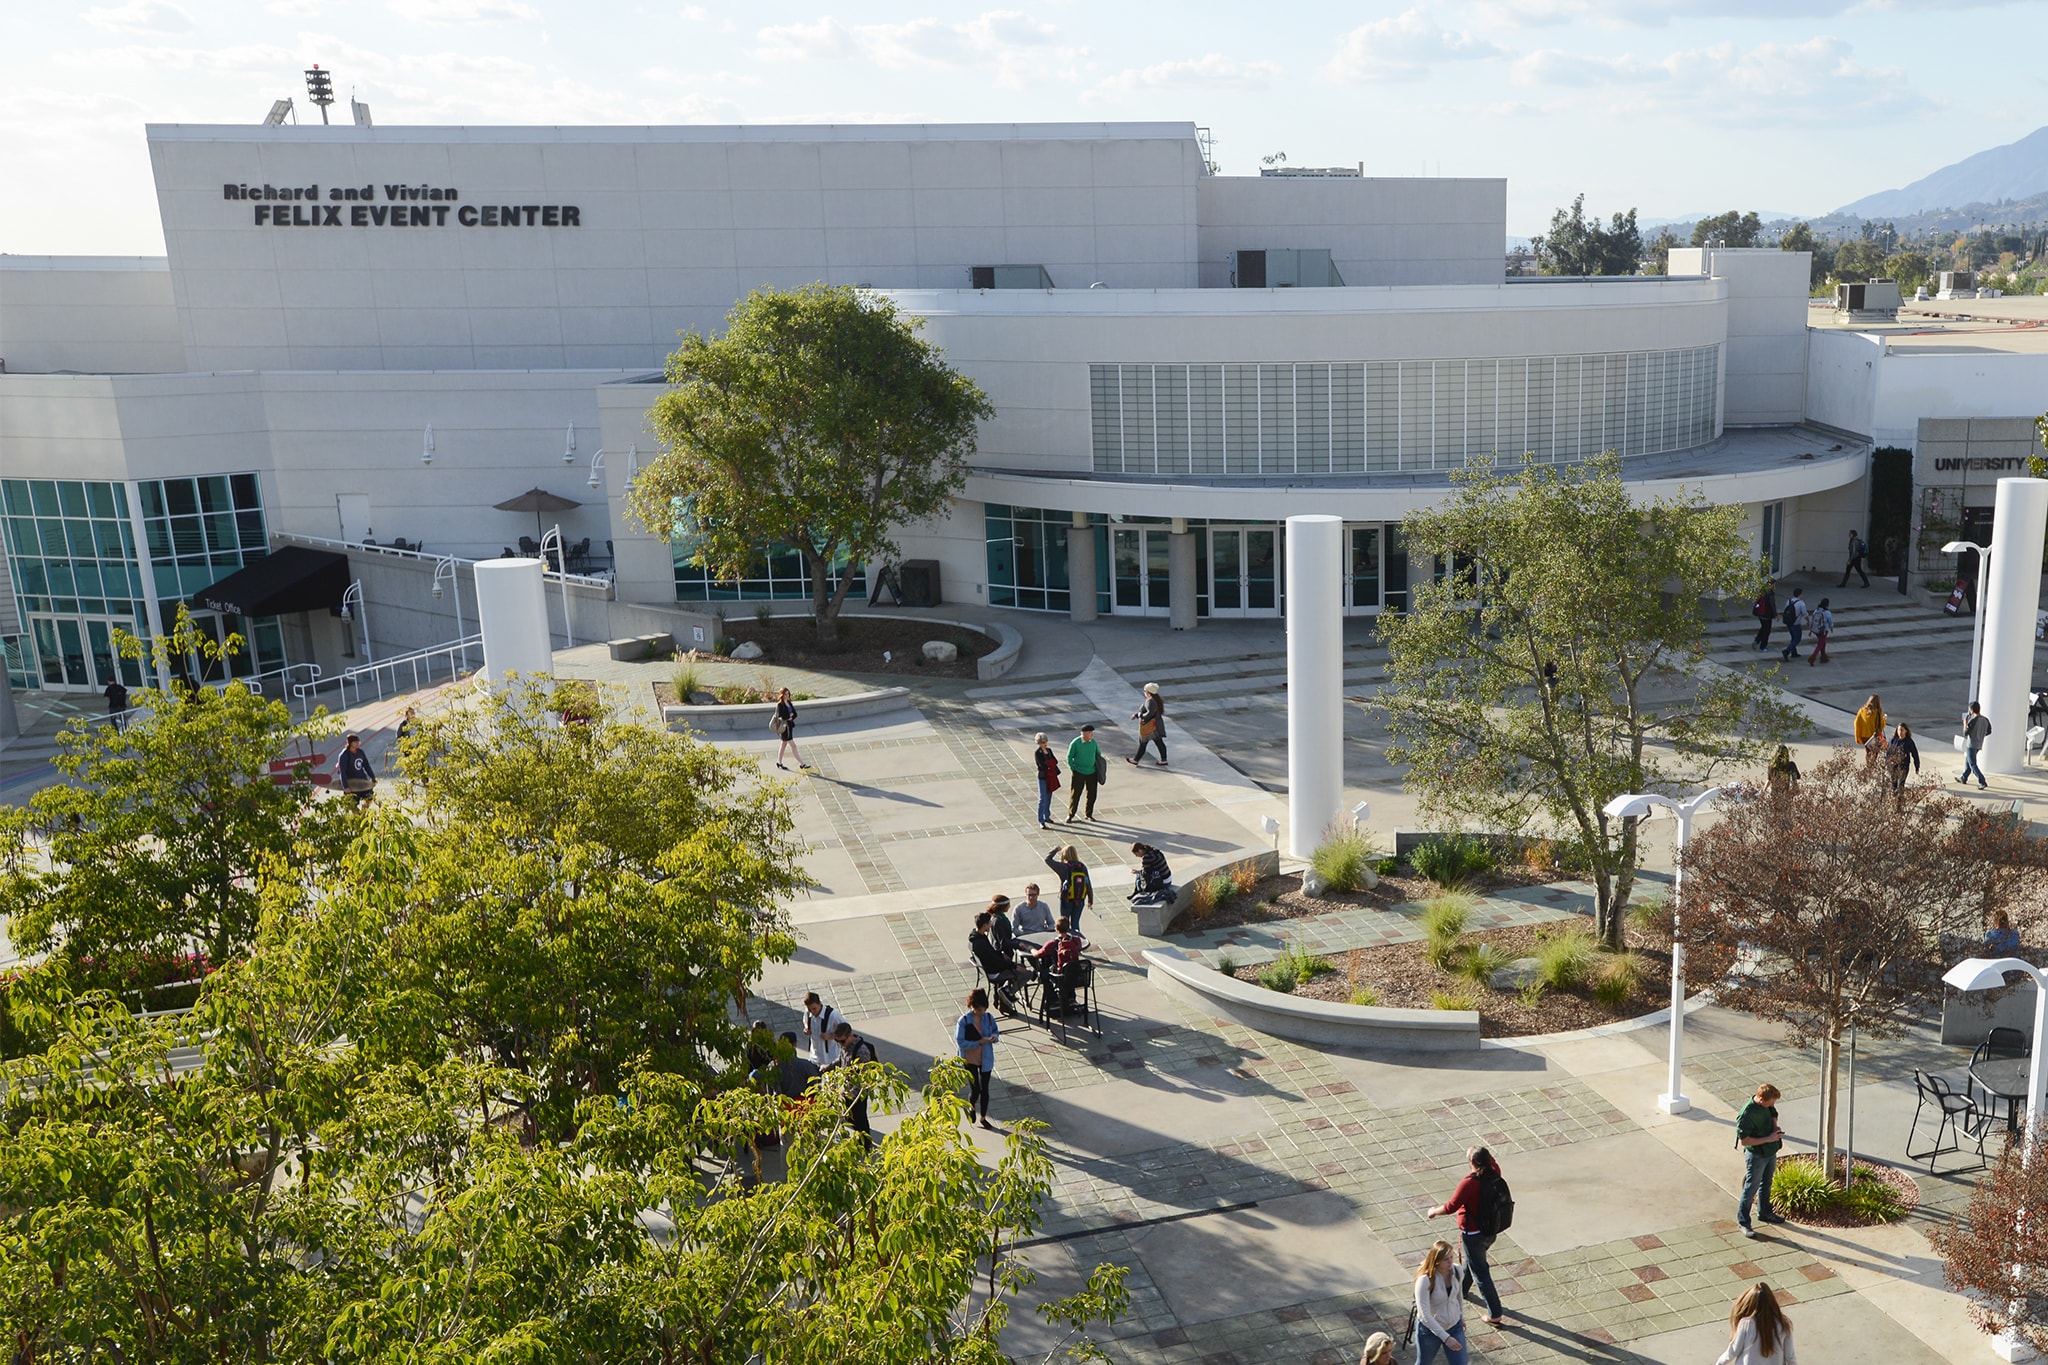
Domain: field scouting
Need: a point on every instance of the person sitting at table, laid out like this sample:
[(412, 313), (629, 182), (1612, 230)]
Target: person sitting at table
[(2001, 937), (999, 931), (1154, 880), (1033, 916), (1055, 955), (995, 965)]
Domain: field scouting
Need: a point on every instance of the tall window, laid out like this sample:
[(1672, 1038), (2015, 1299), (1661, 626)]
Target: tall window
[(1027, 557)]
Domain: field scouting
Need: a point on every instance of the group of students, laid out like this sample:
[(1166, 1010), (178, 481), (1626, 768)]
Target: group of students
[(1086, 761), (828, 1043), (1799, 618), (1001, 949)]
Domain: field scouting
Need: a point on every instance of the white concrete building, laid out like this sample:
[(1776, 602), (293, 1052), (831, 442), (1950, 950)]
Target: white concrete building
[(377, 334)]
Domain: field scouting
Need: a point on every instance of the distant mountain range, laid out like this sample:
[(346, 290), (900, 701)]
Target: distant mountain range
[(2018, 170)]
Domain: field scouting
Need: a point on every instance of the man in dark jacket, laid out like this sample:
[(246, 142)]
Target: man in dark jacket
[(1766, 610), (358, 779), (1004, 975)]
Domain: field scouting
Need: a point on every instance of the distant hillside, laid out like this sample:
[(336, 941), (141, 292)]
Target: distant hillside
[(2017, 170)]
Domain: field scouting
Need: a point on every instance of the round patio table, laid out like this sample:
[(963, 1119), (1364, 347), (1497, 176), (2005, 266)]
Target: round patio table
[(2005, 1078)]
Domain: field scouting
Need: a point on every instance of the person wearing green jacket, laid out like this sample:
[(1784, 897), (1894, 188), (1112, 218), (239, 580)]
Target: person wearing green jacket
[(1084, 766)]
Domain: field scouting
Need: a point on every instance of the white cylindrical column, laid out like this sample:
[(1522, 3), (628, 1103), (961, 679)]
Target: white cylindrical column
[(1315, 678), (1081, 569), (512, 613), (1180, 578), (2012, 597)]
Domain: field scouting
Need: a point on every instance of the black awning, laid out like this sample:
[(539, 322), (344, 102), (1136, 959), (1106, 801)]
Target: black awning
[(294, 578)]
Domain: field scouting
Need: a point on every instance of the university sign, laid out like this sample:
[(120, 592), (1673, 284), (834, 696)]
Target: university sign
[(401, 206)]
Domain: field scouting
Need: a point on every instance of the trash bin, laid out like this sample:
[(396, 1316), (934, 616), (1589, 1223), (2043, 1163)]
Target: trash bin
[(920, 580)]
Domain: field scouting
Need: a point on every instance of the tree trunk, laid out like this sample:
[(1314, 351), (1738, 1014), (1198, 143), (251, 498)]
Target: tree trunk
[(1830, 1095), (824, 606)]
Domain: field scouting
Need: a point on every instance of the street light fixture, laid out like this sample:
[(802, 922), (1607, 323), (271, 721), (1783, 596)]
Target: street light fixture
[(445, 567), (1956, 547), (427, 445), (597, 468), (361, 615), (569, 451), (553, 539), (1641, 804)]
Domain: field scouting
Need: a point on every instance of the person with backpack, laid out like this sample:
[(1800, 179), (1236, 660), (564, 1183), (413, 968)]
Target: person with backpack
[(1759, 1135), (1976, 729), (819, 1021), (1485, 1210), (1858, 548), (1077, 890), (1823, 626), (1796, 612), (1766, 613), (854, 1048)]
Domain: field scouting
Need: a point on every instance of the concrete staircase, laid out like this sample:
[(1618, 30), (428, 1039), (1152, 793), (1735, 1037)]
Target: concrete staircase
[(1861, 627)]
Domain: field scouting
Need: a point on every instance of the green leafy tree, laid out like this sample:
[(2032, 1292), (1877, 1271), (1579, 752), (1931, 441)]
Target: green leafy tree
[(1799, 237), (1559, 568), (571, 902), (1578, 245), (1729, 229), (1858, 260), (819, 420), (1658, 258), (164, 836), (1909, 268)]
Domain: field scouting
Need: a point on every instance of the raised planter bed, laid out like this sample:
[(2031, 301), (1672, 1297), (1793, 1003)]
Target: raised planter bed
[(1154, 920), (1322, 1022), (754, 715)]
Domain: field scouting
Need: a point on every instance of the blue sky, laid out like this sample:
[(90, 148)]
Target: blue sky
[(1798, 105)]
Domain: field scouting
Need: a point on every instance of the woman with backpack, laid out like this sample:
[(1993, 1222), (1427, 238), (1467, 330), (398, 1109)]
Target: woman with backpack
[(1439, 1307), (1048, 764), (1823, 626), (1077, 890), (1483, 1206)]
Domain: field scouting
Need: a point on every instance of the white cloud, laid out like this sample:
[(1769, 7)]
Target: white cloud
[(1766, 85), (1019, 47), (142, 16), (696, 14), (1403, 47), (1212, 71), (1649, 13), (463, 11)]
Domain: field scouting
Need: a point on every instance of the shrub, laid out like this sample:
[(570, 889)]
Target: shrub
[(1297, 964), (1453, 860), (735, 694), (1343, 860), (1870, 1199), (1800, 1190), (1244, 878), (1364, 995), (1458, 998), (1226, 964), (722, 644), (1482, 961), (1279, 976), (686, 679), (1566, 960), (1387, 867), (1211, 893), (1539, 855), (1531, 995), (1443, 923), (1616, 977), (764, 613), (1652, 916)]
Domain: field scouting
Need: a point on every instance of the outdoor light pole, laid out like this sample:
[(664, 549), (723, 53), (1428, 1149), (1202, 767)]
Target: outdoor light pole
[(554, 538), (1988, 974), (1640, 804), (445, 567), (1956, 547), (361, 614)]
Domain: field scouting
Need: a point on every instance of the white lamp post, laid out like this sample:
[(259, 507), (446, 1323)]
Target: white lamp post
[(1640, 804), (1988, 974), (445, 567), (554, 538), (361, 614), (1956, 547)]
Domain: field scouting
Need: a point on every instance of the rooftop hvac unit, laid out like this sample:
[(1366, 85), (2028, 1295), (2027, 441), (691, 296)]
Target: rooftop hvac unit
[(1875, 296), (1958, 284)]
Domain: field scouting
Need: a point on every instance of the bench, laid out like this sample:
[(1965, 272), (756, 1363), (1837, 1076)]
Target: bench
[(638, 648)]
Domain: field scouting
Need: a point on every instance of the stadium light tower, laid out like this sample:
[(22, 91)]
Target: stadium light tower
[(320, 89)]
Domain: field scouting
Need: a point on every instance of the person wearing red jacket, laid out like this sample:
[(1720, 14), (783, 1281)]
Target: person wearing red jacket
[(1468, 1201)]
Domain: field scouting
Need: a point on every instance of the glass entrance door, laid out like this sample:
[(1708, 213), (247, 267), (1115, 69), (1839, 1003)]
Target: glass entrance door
[(1244, 571), (76, 654), (1138, 571)]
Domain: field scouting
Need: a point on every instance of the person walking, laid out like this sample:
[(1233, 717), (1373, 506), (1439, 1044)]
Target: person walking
[(1084, 768), (1048, 765), (854, 1048), (974, 1035), (1823, 626), (1439, 1307), (1077, 889), (117, 702), (1473, 1201), (1796, 613), (1379, 1350), (1151, 718), (1759, 1333), (1759, 1136), (1033, 915), (1766, 613), (353, 768), (819, 1021), (1870, 728), (1900, 755), (1783, 774), (1976, 729), (784, 724), (1858, 548)]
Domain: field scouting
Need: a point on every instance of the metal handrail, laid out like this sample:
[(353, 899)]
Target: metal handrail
[(579, 579), (254, 682), (387, 676)]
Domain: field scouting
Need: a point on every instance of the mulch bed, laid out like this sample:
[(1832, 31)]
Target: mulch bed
[(1405, 979), (1903, 1185), (1281, 898), (792, 642)]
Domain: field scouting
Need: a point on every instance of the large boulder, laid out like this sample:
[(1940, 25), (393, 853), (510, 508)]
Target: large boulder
[(1523, 972), (941, 651), (747, 649)]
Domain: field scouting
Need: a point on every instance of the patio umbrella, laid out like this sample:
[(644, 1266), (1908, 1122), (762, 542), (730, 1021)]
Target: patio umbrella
[(537, 501)]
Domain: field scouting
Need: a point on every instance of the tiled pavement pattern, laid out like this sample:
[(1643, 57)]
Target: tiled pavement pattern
[(1267, 1196)]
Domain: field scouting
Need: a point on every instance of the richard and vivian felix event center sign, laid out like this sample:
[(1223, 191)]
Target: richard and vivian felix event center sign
[(401, 206)]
